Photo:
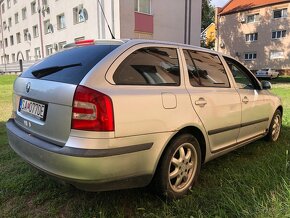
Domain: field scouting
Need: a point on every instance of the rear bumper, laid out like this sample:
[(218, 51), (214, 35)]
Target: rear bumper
[(88, 169)]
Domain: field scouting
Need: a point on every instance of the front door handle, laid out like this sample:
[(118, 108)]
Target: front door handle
[(201, 102), (245, 100)]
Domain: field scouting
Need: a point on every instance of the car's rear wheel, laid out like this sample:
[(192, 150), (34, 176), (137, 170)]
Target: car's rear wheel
[(275, 127), (179, 167)]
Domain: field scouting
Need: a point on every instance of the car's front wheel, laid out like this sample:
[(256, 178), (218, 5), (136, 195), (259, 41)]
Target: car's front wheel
[(275, 127), (179, 167)]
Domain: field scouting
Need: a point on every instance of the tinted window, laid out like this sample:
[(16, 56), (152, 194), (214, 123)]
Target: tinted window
[(84, 59), (205, 70), (149, 66), (242, 76)]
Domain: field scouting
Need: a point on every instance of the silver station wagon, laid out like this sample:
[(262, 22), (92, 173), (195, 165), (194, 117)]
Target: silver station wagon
[(104, 115)]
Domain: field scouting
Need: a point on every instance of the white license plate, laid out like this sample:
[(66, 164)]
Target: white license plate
[(33, 108)]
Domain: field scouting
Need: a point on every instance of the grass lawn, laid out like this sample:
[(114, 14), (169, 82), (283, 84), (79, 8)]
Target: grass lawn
[(250, 182)]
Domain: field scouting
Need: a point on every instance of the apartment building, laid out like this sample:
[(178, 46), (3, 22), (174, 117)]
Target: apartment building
[(257, 32), (34, 29)]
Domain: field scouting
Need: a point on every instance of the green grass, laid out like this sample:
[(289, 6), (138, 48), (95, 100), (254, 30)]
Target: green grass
[(250, 182)]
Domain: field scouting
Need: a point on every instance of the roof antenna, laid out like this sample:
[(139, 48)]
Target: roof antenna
[(113, 37)]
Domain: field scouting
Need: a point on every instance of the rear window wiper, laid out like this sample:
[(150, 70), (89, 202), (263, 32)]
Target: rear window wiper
[(50, 70)]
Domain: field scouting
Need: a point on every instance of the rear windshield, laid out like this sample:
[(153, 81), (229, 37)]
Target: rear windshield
[(80, 61)]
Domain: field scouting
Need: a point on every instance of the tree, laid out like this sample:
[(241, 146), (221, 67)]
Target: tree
[(207, 14)]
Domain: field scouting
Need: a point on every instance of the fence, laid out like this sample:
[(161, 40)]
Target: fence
[(15, 67)]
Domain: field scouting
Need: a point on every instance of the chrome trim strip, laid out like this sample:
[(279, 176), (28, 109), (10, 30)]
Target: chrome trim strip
[(224, 129)]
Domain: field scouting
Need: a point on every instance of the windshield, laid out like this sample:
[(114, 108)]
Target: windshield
[(69, 66)]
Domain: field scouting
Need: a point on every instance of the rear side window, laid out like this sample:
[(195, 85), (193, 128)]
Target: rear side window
[(69, 66), (205, 70), (149, 66)]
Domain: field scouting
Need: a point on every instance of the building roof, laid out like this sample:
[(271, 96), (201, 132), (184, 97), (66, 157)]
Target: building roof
[(234, 6)]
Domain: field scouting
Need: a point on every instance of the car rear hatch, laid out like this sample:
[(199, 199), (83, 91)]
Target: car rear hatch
[(43, 95)]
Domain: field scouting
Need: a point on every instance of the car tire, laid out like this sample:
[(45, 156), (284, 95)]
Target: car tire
[(275, 127), (179, 167)]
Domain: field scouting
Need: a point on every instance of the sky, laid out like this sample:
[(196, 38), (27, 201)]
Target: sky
[(219, 3)]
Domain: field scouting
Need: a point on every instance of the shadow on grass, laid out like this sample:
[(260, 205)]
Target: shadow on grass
[(232, 185)]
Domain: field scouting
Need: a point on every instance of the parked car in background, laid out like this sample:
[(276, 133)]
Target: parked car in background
[(122, 114), (267, 73)]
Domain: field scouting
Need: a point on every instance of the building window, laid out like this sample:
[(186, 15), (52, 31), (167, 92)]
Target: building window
[(253, 18), (18, 38), (8, 4), (200, 62), (251, 37), (1, 44), (25, 33), (37, 53), (80, 14), (10, 22), (24, 15), (6, 42), (61, 45), (11, 40), (15, 1), (47, 27), (250, 56), (280, 13), (278, 34), (13, 57), (49, 49), (27, 52), (16, 18), (79, 39), (277, 55), (60, 21), (143, 6), (35, 31), (3, 8), (33, 7)]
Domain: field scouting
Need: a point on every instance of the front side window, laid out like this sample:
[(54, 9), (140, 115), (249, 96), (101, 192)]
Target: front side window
[(241, 75), (205, 70), (149, 66), (280, 13), (143, 6)]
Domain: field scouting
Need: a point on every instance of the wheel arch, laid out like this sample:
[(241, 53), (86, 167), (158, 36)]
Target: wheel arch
[(280, 108), (196, 132)]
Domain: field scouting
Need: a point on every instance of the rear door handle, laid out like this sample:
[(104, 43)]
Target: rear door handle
[(201, 102), (245, 100)]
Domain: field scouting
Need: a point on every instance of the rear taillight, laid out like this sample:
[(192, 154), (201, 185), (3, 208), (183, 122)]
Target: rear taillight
[(92, 110)]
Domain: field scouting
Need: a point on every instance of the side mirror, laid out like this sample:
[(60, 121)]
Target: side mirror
[(266, 84)]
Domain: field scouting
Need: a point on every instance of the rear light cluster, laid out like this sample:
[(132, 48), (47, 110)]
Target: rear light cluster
[(92, 110)]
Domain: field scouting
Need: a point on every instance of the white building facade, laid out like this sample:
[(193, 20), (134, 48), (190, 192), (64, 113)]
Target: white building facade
[(34, 29)]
